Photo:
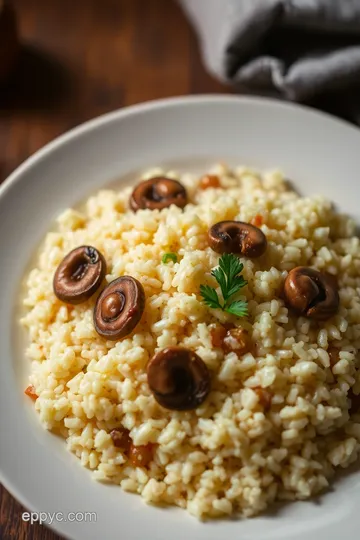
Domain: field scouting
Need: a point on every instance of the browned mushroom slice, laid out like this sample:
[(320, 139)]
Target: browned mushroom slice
[(79, 275), (158, 193), (237, 237), (178, 378), (119, 308), (311, 293)]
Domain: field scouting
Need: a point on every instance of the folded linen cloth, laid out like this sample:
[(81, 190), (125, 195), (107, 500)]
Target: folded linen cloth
[(298, 49)]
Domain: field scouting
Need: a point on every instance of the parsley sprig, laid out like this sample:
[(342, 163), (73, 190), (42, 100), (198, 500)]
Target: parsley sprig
[(227, 276), (169, 257)]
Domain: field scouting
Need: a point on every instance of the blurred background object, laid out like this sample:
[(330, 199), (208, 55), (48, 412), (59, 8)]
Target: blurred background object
[(79, 59), (9, 45), (305, 51)]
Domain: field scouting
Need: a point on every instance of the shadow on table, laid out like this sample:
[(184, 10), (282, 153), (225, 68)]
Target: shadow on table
[(38, 83)]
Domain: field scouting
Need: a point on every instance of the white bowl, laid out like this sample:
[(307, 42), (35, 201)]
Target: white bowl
[(319, 154)]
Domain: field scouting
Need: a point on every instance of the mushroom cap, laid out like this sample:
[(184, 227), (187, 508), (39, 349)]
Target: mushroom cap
[(79, 275), (311, 293), (158, 193), (119, 308), (178, 378), (237, 237)]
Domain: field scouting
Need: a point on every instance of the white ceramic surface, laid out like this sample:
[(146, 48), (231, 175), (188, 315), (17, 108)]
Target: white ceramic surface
[(320, 154)]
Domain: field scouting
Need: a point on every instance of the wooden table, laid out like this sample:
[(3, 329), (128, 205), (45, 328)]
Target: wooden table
[(82, 58)]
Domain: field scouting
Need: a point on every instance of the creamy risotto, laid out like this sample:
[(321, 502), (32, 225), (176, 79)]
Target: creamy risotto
[(165, 383)]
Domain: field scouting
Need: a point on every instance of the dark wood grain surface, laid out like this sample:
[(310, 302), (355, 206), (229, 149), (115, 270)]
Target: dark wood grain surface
[(79, 59)]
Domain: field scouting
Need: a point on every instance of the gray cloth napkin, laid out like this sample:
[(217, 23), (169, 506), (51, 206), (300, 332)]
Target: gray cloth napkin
[(302, 50)]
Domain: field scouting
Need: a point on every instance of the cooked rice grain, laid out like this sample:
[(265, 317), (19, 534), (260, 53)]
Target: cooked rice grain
[(232, 454)]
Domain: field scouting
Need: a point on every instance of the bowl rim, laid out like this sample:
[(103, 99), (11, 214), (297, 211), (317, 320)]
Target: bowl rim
[(143, 107), (114, 116)]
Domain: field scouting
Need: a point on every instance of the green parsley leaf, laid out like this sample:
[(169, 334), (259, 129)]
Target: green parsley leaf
[(230, 265), (238, 283), (169, 257), (227, 276), (238, 308), (220, 277), (210, 296)]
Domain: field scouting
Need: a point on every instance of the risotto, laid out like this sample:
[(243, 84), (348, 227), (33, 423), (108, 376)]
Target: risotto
[(268, 408)]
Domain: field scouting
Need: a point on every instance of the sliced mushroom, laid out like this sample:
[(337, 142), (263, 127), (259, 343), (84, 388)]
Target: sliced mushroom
[(119, 308), (237, 237), (178, 378), (158, 193), (79, 275), (311, 293)]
